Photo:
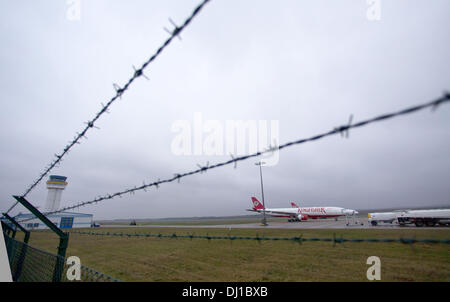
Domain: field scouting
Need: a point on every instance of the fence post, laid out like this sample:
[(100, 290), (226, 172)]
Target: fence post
[(63, 237), (23, 250), (9, 242), (7, 229), (18, 225)]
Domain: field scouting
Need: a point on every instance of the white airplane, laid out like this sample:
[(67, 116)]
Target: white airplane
[(300, 214)]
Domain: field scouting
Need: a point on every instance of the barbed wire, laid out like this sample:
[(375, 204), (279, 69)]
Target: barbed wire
[(298, 239), (337, 130), (119, 92)]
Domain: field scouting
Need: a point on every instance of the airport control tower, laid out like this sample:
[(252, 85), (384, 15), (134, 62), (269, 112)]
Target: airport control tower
[(55, 186)]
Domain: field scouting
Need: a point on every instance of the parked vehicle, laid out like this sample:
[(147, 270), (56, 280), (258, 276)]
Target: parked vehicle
[(383, 217), (425, 217)]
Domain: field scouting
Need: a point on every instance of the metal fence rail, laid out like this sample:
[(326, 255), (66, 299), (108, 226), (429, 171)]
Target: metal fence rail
[(29, 264)]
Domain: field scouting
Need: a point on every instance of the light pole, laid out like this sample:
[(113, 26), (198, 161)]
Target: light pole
[(264, 222)]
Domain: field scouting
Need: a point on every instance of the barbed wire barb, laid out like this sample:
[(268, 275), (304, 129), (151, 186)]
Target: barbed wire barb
[(344, 130), (177, 177), (446, 96), (233, 159), (119, 90), (139, 72), (91, 125), (175, 31), (203, 168)]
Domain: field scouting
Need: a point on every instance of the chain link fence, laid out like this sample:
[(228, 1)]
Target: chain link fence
[(29, 264)]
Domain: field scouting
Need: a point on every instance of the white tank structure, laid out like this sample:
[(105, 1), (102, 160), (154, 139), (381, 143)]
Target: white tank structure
[(55, 185)]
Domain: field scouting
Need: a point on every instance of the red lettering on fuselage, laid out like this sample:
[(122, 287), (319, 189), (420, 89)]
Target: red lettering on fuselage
[(313, 211)]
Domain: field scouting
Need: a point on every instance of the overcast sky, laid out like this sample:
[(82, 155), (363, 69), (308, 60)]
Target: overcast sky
[(306, 64)]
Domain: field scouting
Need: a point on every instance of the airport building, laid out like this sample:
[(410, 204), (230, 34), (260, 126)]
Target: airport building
[(64, 220)]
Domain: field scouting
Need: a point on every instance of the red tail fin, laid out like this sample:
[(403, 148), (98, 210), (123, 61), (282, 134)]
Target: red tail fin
[(256, 204), (294, 205)]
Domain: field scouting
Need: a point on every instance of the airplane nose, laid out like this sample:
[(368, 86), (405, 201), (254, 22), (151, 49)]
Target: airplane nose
[(350, 212)]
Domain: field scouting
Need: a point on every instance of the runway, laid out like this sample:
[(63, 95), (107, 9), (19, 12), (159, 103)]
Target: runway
[(361, 223)]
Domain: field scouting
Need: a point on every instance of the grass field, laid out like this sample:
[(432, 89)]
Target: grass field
[(165, 259)]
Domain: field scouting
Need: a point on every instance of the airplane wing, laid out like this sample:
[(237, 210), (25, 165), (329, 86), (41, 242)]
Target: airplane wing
[(282, 213), (269, 212)]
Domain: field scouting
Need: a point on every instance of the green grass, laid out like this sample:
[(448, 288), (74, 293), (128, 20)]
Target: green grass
[(155, 259)]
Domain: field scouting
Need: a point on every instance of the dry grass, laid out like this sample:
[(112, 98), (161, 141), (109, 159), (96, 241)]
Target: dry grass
[(154, 259)]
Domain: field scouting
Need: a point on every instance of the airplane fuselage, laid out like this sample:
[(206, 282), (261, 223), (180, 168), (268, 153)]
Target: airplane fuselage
[(312, 212)]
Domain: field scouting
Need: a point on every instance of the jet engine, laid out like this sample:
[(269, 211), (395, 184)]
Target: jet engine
[(302, 217)]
